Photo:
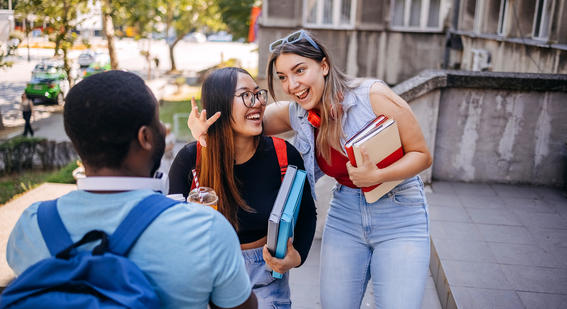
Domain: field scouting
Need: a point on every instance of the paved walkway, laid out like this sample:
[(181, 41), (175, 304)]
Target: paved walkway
[(499, 246), (493, 246), (11, 211)]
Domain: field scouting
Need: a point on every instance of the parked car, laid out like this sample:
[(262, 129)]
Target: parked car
[(86, 58), (101, 64), (48, 84), (221, 36), (195, 37)]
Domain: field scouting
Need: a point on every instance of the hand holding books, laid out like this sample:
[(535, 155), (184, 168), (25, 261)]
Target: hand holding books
[(365, 173), (380, 139), (291, 259)]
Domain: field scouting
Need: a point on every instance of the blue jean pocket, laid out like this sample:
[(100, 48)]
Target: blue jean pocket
[(281, 305), (411, 195)]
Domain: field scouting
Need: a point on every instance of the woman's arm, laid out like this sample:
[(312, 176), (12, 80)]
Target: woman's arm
[(276, 118), (180, 170), (416, 155)]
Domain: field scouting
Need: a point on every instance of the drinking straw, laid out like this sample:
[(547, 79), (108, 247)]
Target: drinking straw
[(197, 185)]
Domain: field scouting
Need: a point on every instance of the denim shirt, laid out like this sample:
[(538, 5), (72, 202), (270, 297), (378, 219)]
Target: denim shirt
[(357, 112)]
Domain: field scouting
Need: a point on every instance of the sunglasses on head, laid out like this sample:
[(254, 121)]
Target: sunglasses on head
[(292, 38)]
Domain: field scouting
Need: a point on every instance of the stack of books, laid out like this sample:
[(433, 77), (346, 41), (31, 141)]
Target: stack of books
[(381, 139), (284, 213)]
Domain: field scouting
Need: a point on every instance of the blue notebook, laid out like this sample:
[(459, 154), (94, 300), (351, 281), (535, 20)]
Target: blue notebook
[(278, 208), (289, 216)]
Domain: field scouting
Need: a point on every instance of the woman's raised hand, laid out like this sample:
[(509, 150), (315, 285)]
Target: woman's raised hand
[(199, 124)]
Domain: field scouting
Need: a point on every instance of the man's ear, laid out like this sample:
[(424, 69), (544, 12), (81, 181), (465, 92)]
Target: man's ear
[(145, 138), (325, 66)]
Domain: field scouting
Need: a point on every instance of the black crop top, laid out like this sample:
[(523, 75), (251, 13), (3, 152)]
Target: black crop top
[(259, 180)]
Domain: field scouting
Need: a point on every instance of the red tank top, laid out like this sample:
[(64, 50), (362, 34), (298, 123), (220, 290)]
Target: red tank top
[(337, 169)]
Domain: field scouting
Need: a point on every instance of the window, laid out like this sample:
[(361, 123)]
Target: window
[(329, 13), (542, 19), (417, 14), (502, 20), (480, 16)]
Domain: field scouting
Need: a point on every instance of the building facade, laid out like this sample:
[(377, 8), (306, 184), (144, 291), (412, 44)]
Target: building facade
[(396, 39)]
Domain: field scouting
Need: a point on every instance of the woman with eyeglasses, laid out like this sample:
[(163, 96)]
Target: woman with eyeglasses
[(241, 165), (388, 240)]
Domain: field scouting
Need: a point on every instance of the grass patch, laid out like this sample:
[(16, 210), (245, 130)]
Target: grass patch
[(167, 112), (13, 185), (64, 175)]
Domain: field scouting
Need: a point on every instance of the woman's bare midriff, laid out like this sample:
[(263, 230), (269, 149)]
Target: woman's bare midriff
[(255, 244)]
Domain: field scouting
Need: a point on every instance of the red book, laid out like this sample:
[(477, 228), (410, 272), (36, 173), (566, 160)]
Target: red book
[(381, 139)]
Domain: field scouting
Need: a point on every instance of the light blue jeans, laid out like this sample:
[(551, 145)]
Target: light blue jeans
[(271, 293), (387, 241)]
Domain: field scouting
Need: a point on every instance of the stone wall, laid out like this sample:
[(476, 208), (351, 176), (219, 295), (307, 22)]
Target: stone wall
[(492, 127), (46, 155)]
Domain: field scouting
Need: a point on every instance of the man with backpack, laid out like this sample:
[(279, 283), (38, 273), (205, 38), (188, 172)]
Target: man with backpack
[(115, 242)]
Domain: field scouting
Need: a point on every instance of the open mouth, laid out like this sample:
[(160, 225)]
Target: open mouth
[(254, 116), (302, 94)]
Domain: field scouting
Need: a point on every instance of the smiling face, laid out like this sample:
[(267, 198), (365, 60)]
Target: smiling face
[(246, 121), (302, 78)]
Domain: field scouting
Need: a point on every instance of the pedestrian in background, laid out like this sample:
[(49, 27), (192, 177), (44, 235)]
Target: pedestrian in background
[(27, 112)]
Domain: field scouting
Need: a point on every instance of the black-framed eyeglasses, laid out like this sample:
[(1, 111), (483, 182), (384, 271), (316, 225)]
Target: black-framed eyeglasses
[(249, 98), (292, 38)]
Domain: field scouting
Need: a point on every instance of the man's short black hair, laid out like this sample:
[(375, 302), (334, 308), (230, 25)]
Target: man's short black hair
[(103, 114)]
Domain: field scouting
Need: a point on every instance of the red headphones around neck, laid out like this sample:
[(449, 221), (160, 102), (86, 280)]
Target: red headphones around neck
[(314, 118)]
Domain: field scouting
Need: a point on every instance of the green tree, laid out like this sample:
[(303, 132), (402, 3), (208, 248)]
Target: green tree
[(184, 16), (142, 15), (61, 15), (236, 15)]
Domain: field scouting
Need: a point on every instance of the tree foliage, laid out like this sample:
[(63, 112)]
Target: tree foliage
[(61, 15), (236, 15), (184, 16)]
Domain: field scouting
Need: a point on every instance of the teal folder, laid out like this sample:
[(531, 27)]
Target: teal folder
[(289, 216), (278, 208)]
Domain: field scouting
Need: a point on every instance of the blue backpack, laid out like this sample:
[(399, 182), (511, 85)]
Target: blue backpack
[(103, 278)]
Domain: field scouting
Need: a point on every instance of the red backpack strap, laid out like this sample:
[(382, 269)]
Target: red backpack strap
[(197, 163), (281, 153)]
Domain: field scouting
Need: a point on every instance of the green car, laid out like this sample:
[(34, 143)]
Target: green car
[(49, 84), (99, 66)]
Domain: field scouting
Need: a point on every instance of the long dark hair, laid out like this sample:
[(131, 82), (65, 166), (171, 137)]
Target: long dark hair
[(217, 159), (336, 85)]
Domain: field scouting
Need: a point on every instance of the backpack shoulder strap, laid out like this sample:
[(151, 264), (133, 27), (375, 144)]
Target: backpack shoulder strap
[(197, 163), (136, 222), (281, 153), (54, 233)]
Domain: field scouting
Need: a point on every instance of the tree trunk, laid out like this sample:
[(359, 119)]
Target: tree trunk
[(172, 58), (67, 67), (58, 39), (108, 29)]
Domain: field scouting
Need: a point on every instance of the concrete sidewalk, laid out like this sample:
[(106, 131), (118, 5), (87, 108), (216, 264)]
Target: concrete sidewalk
[(499, 246), (11, 211)]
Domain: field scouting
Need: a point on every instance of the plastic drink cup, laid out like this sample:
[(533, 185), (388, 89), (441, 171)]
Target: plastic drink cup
[(204, 196)]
